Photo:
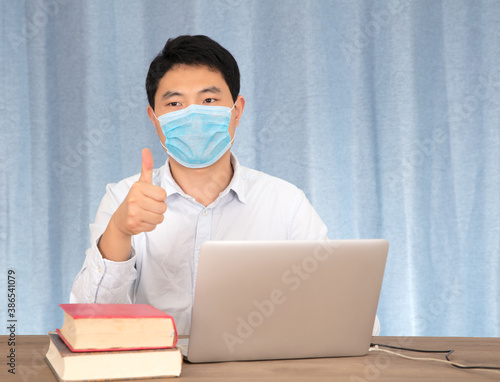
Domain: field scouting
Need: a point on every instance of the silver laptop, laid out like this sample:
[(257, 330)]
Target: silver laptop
[(262, 300)]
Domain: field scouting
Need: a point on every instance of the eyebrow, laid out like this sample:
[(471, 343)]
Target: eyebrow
[(211, 89), (169, 94)]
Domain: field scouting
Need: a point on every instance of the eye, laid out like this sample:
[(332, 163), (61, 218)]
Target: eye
[(174, 104), (210, 100)]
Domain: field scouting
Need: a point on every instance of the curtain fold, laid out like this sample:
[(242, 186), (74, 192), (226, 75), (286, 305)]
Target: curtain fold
[(386, 113)]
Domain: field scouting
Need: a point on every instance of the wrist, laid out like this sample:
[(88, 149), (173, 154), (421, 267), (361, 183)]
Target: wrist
[(116, 230), (115, 245)]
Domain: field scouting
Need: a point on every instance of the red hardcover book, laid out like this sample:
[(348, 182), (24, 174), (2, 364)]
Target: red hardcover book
[(112, 327)]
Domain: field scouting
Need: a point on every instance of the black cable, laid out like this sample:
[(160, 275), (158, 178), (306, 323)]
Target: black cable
[(471, 366), (448, 352), (416, 350)]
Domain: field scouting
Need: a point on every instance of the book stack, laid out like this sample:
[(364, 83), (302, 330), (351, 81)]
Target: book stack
[(114, 341)]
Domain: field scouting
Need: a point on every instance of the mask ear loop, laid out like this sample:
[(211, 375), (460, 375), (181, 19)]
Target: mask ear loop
[(232, 140), (160, 125), (161, 143)]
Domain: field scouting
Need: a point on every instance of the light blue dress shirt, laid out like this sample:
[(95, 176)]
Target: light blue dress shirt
[(162, 267)]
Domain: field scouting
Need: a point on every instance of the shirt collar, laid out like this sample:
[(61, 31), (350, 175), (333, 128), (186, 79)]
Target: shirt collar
[(236, 185)]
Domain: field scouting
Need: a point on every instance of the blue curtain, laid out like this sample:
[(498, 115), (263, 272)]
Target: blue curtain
[(386, 113)]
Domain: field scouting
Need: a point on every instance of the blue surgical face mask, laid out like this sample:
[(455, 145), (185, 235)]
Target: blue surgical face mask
[(198, 135)]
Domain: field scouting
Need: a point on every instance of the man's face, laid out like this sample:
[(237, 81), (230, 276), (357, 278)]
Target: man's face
[(185, 85)]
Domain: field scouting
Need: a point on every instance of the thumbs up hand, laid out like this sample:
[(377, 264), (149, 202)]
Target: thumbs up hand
[(143, 208), (147, 167)]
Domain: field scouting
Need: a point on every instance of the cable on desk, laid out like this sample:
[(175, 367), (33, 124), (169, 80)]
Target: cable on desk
[(471, 366), (410, 349), (376, 347)]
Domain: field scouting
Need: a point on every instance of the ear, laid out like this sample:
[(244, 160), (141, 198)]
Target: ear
[(151, 114), (239, 105), (156, 123)]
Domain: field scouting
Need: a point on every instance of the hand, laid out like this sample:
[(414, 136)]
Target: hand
[(143, 208)]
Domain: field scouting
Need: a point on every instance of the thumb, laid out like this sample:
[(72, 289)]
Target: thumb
[(147, 167)]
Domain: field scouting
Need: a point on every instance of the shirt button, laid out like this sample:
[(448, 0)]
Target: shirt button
[(205, 213), (99, 269), (89, 299)]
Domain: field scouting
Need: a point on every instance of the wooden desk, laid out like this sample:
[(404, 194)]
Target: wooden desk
[(31, 365)]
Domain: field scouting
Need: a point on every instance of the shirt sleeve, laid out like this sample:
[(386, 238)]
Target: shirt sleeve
[(101, 280), (305, 223)]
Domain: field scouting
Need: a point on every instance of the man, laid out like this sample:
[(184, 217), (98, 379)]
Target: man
[(149, 227)]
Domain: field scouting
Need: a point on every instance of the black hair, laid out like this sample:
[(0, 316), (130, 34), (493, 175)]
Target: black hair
[(193, 50)]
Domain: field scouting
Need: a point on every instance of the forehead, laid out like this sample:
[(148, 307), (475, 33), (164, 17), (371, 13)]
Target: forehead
[(190, 78)]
